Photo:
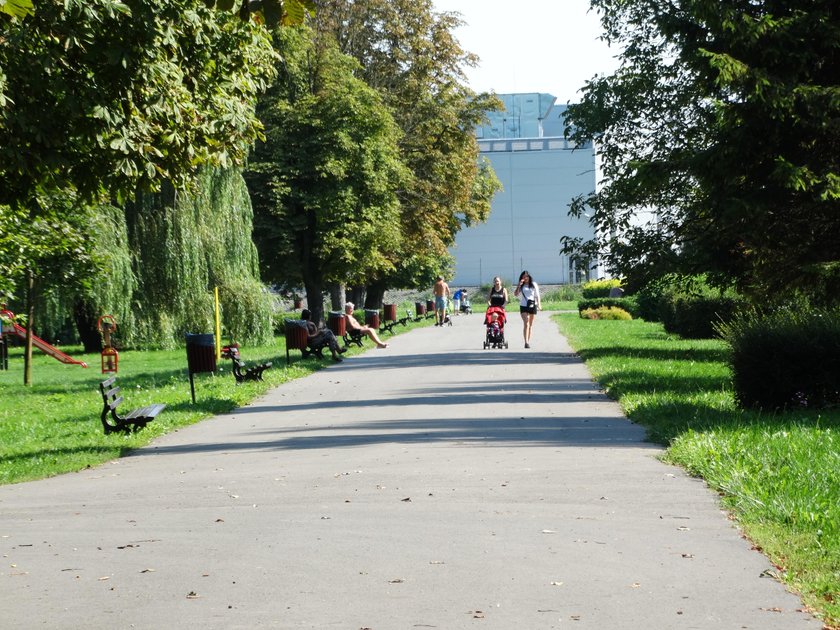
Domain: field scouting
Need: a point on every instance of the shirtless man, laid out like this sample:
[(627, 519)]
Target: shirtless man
[(354, 324), (441, 291)]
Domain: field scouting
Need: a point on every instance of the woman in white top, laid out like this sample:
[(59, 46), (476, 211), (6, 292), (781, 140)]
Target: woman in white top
[(528, 293)]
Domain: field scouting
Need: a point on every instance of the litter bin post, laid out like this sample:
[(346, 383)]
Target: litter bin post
[(430, 308), (389, 312), (201, 356), (419, 309)]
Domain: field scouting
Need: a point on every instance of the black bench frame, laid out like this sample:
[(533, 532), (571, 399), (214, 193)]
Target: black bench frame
[(240, 372), (132, 421), (353, 335)]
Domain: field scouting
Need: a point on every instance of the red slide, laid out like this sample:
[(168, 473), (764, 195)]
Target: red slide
[(42, 345)]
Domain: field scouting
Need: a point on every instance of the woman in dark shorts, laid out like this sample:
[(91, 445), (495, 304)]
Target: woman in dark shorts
[(498, 294), (528, 293)]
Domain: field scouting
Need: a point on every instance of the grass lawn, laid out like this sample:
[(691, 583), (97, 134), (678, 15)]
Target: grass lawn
[(54, 426), (778, 473)]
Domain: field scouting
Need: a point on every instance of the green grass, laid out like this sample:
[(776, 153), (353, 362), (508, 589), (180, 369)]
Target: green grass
[(53, 427), (779, 474)]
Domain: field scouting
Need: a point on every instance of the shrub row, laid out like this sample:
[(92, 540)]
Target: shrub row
[(599, 288), (786, 359), (625, 303)]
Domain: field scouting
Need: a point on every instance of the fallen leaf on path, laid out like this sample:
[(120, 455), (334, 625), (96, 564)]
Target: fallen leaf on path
[(406, 500), (193, 595), (147, 571), (557, 583)]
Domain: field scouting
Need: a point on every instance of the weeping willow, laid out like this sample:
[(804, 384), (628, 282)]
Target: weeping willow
[(182, 246)]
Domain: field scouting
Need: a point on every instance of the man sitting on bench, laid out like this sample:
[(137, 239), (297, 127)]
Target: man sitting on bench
[(353, 324), (318, 337)]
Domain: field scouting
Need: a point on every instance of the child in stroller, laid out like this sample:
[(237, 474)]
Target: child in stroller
[(494, 322)]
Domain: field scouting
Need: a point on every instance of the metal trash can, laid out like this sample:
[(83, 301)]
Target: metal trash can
[(296, 337), (201, 352), (337, 323), (430, 306), (372, 318), (201, 356), (419, 309), (389, 312)]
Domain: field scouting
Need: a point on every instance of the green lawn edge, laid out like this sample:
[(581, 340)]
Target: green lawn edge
[(778, 474)]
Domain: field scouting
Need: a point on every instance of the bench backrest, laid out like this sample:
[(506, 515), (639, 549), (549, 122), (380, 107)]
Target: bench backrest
[(110, 393)]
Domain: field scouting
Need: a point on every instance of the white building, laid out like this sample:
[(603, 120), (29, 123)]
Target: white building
[(540, 173)]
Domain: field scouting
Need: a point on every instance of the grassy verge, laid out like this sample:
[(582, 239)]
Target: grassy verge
[(53, 427), (779, 474)]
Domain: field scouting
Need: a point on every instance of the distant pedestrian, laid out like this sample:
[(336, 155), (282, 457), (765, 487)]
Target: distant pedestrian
[(528, 293), (441, 291), (456, 301)]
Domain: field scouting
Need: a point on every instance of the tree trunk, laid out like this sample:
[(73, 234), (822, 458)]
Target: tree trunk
[(357, 296), (86, 326), (375, 296), (30, 320), (337, 297), (314, 298)]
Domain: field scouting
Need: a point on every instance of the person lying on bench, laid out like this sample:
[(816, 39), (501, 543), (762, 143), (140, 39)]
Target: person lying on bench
[(321, 336), (353, 324)]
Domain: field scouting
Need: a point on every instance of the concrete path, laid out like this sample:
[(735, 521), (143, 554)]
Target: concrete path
[(432, 484)]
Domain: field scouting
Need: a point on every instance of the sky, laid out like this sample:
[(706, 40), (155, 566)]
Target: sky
[(547, 46)]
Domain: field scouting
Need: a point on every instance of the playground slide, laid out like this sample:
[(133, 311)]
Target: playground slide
[(46, 348)]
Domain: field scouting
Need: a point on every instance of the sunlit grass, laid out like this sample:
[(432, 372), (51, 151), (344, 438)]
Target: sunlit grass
[(779, 474), (54, 426)]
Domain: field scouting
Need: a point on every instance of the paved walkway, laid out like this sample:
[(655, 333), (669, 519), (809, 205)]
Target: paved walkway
[(429, 485)]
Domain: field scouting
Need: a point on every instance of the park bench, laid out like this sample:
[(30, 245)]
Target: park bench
[(240, 372), (353, 335), (409, 317), (133, 420), (297, 339)]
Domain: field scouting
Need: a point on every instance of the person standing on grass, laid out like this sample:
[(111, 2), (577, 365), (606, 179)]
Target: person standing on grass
[(528, 293), (441, 291)]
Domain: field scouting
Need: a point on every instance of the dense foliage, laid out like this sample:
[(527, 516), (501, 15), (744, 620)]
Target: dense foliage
[(324, 181), (789, 358), (723, 124), (408, 53)]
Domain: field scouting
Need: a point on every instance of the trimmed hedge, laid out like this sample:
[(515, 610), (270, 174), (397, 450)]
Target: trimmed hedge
[(786, 359), (599, 288), (624, 303), (606, 312), (697, 316)]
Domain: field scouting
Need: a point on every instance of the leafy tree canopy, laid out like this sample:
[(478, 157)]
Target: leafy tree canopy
[(723, 126), (106, 96), (408, 53), (324, 182)]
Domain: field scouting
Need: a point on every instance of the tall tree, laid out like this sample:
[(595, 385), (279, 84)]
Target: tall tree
[(100, 97), (325, 179), (724, 122), (409, 53)]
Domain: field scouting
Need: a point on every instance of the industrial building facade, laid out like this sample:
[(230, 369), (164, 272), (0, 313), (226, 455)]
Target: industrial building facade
[(541, 173)]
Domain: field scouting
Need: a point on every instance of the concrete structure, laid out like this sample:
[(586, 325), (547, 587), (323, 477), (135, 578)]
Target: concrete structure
[(541, 173)]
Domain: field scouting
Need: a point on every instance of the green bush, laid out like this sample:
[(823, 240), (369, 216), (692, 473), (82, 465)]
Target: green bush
[(786, 359), (599, 288), (696, 316), (606, 312), (624, 303)]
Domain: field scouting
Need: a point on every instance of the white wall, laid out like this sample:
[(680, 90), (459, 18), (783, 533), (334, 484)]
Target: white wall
[(530, 215)]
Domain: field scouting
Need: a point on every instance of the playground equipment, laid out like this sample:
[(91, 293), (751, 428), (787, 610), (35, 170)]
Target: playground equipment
[(12, 328), (110, 357)]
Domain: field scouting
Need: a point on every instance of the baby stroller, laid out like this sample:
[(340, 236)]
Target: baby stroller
[(465, 305), (495, 337)]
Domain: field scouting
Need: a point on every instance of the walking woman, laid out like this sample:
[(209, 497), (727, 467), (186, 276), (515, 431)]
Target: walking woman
[(528, 293), (498, 295)]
